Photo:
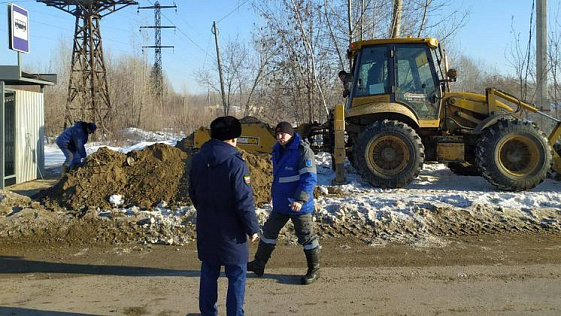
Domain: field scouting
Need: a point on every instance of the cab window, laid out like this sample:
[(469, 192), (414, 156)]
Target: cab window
[(373, 72), (416, 81)]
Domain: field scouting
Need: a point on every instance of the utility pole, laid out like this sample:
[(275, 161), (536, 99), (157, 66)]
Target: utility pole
[(541, 54), (88, 93), (157, 74), (224, 104)]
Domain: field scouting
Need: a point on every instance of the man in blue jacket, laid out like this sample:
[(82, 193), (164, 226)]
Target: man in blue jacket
[(294, 178), (220, 189), (72, 142)]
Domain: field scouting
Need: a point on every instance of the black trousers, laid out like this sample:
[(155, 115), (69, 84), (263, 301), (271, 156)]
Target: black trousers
[(303, 225)]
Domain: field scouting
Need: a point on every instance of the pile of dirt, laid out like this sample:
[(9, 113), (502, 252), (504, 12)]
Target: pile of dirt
[(144, 178), (186, 144), (261, 170)]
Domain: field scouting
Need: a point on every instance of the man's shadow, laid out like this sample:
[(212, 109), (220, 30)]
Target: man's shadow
[(19, 265), (9, 264), (6, 310), (279, 278)]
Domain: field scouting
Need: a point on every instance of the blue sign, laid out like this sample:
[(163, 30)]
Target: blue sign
[(19, 28)]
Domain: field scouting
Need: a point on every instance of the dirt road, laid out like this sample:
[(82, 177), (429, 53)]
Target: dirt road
[(503, 274)]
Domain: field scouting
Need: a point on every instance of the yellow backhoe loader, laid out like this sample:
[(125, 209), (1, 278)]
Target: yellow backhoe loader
[(400, 113)]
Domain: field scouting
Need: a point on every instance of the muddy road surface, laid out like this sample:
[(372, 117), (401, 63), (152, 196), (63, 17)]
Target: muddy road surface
[(496, 274)]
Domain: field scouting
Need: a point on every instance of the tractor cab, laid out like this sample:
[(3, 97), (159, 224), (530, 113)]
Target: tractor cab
[(402, 71)]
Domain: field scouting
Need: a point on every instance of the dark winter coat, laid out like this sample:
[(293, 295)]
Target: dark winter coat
[(74, 138), (294, 176), (221, 192)]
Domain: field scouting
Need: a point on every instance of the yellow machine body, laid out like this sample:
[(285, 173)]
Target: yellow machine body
[(256, 136)]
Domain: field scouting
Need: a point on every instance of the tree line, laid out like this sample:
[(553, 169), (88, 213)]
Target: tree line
[(288, 69)]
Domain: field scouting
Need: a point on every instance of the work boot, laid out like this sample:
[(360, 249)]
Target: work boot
[(312, 257), (261, 257)]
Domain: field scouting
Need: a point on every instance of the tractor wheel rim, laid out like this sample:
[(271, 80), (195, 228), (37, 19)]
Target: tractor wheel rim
[(388, 155), (518, 155)]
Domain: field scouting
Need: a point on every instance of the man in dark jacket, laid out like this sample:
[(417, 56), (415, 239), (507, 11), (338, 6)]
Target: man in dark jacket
[(221, 192), (72, 142), (294, 178)]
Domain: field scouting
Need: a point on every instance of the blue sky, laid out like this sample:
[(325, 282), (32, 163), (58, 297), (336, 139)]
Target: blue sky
[(486, 37)]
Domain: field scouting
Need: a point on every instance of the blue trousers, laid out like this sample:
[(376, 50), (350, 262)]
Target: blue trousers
[(208, 290), (71, 158)]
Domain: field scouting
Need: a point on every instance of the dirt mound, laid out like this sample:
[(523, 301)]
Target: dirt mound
[(142, 178), (186, 144), (261, 170), (158, 173)]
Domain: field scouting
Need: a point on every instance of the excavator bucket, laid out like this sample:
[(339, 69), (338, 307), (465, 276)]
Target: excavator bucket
[(256, 136)]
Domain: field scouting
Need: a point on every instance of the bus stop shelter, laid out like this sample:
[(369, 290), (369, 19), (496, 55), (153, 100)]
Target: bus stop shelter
[(22, 119)]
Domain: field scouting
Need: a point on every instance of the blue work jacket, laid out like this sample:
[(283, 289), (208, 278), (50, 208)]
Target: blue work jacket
[(74, 138), (220, 189), (294, 176)]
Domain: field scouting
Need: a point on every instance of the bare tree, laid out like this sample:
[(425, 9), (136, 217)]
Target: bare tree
[(396, 18), (521, 60)]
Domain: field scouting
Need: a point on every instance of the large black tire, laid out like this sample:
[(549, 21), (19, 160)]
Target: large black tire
[(389, 154), (513, 155), (464, 168)]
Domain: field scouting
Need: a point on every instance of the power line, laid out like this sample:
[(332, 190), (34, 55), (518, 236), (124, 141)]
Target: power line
[(227, 15)]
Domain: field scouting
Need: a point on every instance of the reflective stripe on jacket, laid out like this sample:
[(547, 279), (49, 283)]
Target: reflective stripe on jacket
[(294, 176)]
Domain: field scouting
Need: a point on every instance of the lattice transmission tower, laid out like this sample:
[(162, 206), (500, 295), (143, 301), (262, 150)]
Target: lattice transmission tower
[(88, 93), (157, 76)]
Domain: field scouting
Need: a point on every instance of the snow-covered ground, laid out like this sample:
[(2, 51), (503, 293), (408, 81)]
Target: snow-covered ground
[(438, 185)]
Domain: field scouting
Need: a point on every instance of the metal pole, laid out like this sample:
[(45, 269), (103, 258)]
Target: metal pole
[(215, 32), (338, 154), (541, 53)]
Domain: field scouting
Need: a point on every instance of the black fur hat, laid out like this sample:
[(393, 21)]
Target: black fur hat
[(225, 127)]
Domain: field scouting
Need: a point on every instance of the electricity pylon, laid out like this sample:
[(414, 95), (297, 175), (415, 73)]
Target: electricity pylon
[(157, 76), (88, 93)]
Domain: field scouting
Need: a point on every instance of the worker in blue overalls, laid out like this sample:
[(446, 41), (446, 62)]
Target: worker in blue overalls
[(72, 143), (294, 178)]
